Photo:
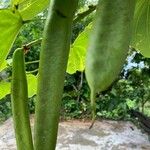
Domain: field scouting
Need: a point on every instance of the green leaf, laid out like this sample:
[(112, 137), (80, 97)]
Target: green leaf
[(3, 66), (131, 103), (15, 2), (30, 8), (10, 23), (9, 61), (32, 85), (4, 89), (76, 60), (141, 32)]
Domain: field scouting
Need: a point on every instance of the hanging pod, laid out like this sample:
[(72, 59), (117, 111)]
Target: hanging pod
[(52, 68), (19, 101), (109, 44)]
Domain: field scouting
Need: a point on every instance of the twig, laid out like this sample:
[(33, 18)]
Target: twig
[(33, 71), (38, 41), (75, 88), (32, 62), (82, 15)]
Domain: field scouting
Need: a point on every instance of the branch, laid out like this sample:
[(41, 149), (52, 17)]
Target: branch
[(32, 62), (27, 47), (82, 15), (38, 41), (33, 71)]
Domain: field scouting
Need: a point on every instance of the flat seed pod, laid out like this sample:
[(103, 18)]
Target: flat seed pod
[(109, 44), (52, 68), (19, 100)]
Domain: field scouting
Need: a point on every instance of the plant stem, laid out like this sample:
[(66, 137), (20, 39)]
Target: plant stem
[(52, 68), (82, 15), (32, 62), (93, 107), (33, 71), (38, 41)]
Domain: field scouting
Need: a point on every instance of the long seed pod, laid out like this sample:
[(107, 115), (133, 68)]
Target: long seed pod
[(19, 101), (108, 45), (53, 63)]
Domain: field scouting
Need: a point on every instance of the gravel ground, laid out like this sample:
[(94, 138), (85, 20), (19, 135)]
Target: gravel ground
[(75, 135)]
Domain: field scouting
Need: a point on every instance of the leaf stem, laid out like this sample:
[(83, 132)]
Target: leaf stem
[(93, 107)]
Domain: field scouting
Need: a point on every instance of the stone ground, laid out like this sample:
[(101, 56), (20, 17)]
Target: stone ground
[(75, 135)]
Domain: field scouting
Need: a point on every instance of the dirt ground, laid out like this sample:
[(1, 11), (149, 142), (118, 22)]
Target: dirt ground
[(75, 135)]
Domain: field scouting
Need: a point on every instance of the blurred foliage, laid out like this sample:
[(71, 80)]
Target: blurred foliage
[(5, 108)]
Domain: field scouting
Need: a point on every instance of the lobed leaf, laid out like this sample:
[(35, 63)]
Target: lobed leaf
[(30, 8), (10, 24), (76, 60)]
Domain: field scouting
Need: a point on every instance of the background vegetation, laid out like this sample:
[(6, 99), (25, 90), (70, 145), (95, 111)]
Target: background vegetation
[(131, 90)]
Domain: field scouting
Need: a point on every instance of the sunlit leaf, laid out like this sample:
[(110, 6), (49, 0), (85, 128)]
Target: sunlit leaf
[(4, 89), (30, 8), (76, 60), (10, 23), (32, 85), (3, 66)]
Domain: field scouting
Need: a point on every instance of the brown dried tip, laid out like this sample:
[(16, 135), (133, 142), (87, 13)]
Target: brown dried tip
[(26, 49)]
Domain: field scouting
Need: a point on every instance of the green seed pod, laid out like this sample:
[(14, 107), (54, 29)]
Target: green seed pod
[(109, 44), (19, 100), (52, 69)]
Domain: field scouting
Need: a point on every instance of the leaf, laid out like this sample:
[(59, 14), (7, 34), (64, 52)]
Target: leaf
[(76, 60), (15, 2), (10, 23), (131, 103), (9, 61), (30, 8), (32, 85), (4, 89), (3, 66), (141, 29)]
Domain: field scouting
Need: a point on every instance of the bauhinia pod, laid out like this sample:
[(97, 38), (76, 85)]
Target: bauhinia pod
[(108, 45), (19, 102), (52, 68)]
